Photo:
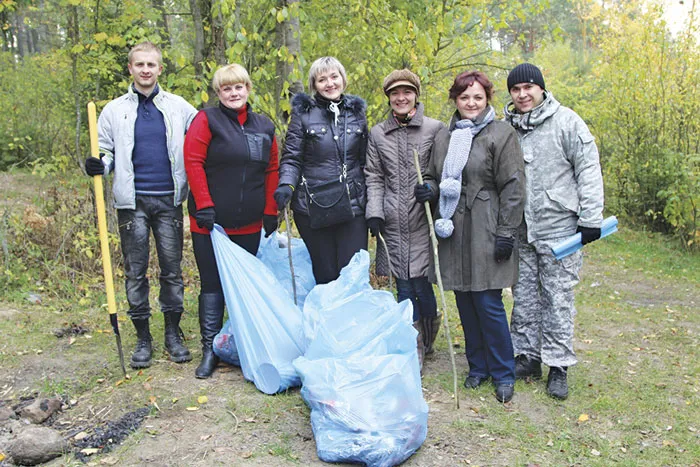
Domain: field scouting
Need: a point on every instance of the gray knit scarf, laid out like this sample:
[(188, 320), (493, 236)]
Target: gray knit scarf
[(455, 162)]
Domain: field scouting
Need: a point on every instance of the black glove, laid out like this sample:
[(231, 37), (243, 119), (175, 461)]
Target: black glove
[(270, 224), (423, 193), (375, 225), (282, 196), (94, 166), (205, 218), (588, 234), (504, 248)]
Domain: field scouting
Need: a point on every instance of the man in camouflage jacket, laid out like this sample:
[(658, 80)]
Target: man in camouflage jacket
[(564, 189)]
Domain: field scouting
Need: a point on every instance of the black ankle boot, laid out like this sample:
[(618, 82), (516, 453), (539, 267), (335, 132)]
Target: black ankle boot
[(141, 358), (526, 367), (504, 392), (557, 386), (174, 338), (211, 319)]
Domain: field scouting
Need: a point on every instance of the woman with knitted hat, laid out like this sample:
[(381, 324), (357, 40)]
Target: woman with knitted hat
[(321, 171), (480, 184), (392, 207)]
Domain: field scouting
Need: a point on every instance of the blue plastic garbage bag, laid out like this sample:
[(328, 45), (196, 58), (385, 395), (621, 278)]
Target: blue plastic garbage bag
[(360, 372), (274, 254), (266, 325), (365, 409)]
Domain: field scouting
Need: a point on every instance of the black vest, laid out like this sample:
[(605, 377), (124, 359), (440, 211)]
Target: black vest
[(237, 158)]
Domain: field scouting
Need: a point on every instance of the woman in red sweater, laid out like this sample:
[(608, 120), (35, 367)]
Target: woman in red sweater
[(232, 168)]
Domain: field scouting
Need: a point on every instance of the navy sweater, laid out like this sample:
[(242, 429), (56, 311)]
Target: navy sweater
[(152, 171)]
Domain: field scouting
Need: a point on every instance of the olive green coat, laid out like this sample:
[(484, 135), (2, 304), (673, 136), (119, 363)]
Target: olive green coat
[(491, 204)]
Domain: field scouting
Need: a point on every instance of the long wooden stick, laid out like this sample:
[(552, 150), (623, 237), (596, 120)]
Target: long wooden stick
[(434, 243), (289, 251), (102, 229), (388, 260)]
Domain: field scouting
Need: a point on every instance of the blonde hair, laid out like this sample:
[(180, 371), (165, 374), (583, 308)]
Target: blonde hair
[(146, 46), (323, 65), (231, 74)]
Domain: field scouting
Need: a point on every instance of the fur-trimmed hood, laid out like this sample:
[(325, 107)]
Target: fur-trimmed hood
[(303, 103)]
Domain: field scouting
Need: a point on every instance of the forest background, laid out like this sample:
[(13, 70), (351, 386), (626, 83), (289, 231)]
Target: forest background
[(618, 64)]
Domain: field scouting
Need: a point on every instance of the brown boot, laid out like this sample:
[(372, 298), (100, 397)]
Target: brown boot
[(431, 327)]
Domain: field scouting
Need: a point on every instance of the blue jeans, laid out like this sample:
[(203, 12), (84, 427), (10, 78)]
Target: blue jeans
[(488, 346), (421, 294), (156, 214)]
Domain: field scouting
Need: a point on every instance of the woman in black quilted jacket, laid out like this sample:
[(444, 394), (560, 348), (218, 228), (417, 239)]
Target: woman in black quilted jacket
[(322, 169)]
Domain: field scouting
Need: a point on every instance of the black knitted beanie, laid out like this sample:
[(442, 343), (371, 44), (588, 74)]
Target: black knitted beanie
[(525, 73)]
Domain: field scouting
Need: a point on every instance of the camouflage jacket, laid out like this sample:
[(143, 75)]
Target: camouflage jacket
[(563, 178)]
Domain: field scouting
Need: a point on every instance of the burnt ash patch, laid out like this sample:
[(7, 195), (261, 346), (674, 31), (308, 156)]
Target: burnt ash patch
[(111, 434)]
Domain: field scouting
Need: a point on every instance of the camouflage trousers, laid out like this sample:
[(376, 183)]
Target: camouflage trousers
[(542, 323)]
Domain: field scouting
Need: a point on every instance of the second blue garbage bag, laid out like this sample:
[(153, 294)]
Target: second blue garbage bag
[(360, 373), (265, 324)]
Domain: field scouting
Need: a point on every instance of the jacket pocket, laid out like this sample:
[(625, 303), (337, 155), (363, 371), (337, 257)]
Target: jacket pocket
[(484, 208), (565, 198), (315, 132), (256, 147)]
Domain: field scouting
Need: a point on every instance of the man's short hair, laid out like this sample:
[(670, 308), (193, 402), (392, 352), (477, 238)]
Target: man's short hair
[(231, 74), (323, 65), (146, 46)]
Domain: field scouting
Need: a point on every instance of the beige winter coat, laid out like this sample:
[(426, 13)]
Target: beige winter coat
[(390, 176)]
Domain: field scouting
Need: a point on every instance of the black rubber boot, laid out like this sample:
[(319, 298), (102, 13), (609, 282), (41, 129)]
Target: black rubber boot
[(526, 367), (419, 344), (431, 327), (557, 386), (141, 358), (211, 319), (174, 338)]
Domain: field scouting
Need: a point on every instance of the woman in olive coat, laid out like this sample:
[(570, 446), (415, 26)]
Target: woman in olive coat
[(479, 181)]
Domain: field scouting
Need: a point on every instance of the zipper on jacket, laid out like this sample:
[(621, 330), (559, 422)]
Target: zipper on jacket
[(245, 140)]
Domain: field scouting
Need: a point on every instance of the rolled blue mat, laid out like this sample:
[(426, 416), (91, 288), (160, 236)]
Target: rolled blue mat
[(573, 243)]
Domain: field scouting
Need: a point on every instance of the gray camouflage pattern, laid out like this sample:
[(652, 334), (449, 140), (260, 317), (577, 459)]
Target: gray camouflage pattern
[(542, 323), (562, 170)]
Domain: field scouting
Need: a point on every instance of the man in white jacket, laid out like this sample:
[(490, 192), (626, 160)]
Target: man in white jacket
[(564, 189), (141, 136)]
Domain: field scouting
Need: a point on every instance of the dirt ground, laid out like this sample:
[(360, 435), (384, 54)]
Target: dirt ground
[(236, 426)]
